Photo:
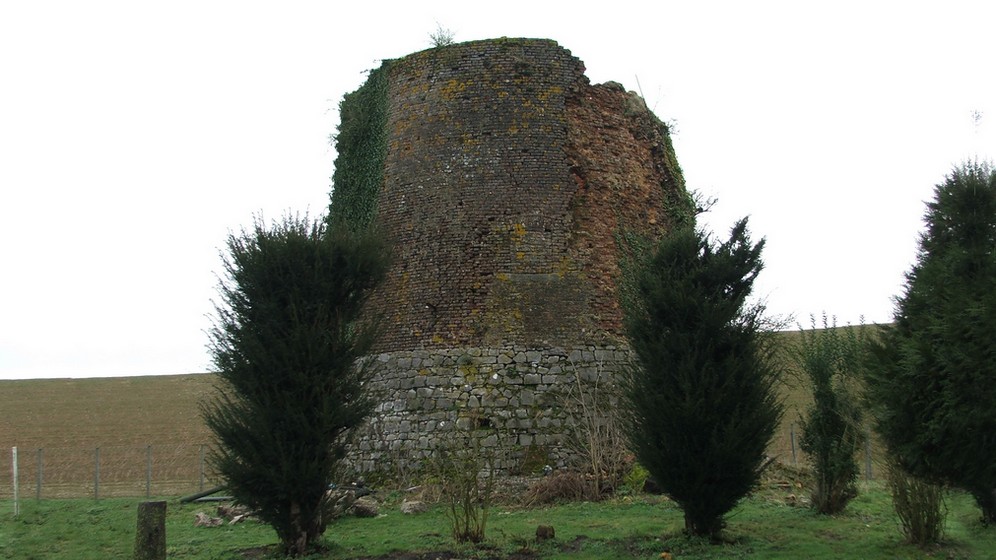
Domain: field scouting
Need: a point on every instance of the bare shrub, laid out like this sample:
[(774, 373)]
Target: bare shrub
[(561, 486), (919, 505), (465, 472), (594, 434)]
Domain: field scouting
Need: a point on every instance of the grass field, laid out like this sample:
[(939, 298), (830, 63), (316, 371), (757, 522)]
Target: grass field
[(764, 526), (123, 417)]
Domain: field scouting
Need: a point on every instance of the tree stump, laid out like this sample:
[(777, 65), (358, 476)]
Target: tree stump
[(150, 539)]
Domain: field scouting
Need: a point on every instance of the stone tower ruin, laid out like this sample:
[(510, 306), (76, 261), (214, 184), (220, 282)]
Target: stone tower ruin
[(508, 187)]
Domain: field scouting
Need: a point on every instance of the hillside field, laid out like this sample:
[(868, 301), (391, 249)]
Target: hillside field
[(69, 419)]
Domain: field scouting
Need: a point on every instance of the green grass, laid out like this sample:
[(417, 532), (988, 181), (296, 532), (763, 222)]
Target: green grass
[(764, 526)]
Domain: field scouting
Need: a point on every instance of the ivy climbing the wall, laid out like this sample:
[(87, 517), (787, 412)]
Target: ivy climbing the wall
[(361, 145)]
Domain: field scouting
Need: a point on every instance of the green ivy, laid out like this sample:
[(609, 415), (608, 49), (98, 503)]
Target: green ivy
[(679, 204), (634, 249), (361, 145)]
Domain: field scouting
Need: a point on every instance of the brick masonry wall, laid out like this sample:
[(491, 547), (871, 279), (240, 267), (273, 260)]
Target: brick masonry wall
[(508, 181)]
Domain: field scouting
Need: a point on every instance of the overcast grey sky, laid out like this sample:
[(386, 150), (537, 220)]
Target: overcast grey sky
[(135, 135)]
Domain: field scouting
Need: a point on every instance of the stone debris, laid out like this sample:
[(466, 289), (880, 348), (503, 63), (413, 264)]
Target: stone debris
[(202, 519), (365, 507), (344, 499), (413, 507), (234, 513)]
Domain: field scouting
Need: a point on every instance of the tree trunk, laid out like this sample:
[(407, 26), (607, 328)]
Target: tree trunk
[(703, 527), (150, 539), (986, 498), (297, 544)]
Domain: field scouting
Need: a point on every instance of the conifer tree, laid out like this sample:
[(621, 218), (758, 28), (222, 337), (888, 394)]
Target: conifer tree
[(701, 404), (933, 372), (286, 344)]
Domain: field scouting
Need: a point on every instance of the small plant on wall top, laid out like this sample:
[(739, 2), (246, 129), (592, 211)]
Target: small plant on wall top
[(442, 37)]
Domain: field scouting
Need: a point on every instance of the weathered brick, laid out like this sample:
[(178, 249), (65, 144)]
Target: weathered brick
[(508, 181)]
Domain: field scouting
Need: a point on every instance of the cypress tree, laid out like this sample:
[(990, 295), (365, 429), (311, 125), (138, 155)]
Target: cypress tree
[(286, 344), (933, 372), (701, 405)]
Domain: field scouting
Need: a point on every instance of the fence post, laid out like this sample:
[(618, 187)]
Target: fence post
[(96, 474), (148, 470), (868, 455), (41, 475), (150, 537), (792, 439), (201, 489), (13, 453)]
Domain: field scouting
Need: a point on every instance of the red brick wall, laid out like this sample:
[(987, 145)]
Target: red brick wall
[(506, 181)]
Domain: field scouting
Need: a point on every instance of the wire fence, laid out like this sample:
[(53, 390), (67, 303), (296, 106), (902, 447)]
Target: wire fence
[(106, 471), (179, 469), (871, 457)]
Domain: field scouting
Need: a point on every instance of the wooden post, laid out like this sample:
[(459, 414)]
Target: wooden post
[(868, 455), (14, 477), (96, 474), (792, 441), (201, 489), (41, 474), (150, 538), (148, 471)]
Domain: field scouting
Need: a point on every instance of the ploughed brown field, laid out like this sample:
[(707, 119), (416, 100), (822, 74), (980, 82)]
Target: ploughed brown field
[(143, 422), (69, 419)]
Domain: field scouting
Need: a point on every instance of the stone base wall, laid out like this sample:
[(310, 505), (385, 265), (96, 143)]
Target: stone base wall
[(520, 403)]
